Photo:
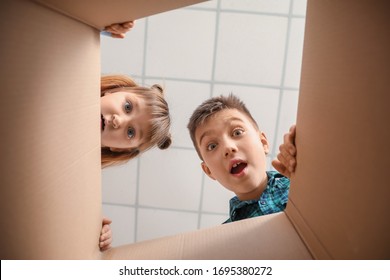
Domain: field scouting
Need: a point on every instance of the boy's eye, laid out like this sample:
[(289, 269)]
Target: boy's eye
[(128, 107), (238, 132), (130, 132), (211, 146)]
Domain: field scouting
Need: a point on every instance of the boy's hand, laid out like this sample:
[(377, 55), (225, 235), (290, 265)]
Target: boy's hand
[(286, 159), (105, 239), (118, 30)]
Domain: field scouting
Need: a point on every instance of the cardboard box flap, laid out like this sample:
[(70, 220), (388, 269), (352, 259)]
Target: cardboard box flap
[(266, 237), (100, 13), (339, 195), (50, 171)]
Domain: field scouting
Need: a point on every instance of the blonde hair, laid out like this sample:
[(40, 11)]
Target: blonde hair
[(160, 122)]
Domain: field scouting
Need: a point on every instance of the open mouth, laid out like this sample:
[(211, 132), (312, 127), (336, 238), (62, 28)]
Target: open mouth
[(102, 123), (237, 168)]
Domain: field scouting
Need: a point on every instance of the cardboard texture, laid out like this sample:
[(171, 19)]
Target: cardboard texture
[(339, 194), (268, 237), (50, 171), (100, 13)]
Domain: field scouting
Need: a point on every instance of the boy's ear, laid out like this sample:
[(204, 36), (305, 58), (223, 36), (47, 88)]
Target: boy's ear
[(264, 141), (206, 170)]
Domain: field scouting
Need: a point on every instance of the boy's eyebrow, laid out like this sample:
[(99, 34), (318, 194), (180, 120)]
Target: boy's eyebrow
[(203, 135), (210, 131)]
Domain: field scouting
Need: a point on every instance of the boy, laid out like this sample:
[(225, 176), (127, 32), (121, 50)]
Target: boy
[(233, 150)]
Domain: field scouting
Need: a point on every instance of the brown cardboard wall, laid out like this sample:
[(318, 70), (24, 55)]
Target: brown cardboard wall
[(50, 197), (269, 237), (101, 13), (50, 201), (339, 196)]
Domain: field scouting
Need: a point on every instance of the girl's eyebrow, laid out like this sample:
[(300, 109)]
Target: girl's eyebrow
[(137, 110)]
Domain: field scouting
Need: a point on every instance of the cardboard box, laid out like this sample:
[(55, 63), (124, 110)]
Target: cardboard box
[(50, 168)]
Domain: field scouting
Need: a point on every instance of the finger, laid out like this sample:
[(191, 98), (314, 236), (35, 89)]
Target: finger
[(292, 133), (119, 28), (280, 168), (283, 161), (115, 33), (289, 143), (105, 229), (106, 221), (284, 154), (287, 160), (109, 29), (120, 36), (105, 243), (105, 247), (293, 129), (105, 237), (128, 24)]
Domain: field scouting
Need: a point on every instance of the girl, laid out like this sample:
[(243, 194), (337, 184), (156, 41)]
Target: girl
[(133, 120)]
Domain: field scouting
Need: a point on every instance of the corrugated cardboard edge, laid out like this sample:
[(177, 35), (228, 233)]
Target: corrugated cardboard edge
[(50, 186), (339, 194), (267, 237), (313, 244)]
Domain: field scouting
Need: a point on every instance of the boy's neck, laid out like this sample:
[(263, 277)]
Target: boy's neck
[(256, 193)]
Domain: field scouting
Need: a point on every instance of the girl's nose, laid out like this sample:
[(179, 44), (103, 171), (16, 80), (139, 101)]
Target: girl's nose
[(116, 121)]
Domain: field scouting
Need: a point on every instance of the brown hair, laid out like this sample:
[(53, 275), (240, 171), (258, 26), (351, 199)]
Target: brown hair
[(212, 106), (160, 122)]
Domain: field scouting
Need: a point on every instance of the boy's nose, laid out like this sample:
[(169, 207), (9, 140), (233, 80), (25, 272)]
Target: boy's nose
[(230, 148)]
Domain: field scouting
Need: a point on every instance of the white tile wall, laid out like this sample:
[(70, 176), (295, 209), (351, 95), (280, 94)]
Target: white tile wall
[(180, 44), (119, 184), (252, 48), (170, 179), (155, 223), (262, 6), (263, 46), (183, 97), (125, 55), (294, 56)]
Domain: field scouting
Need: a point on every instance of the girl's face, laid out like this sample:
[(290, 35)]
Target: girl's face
[(124, 121)]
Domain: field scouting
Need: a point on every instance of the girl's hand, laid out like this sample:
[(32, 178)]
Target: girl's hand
[(105, 239), (118, 30)]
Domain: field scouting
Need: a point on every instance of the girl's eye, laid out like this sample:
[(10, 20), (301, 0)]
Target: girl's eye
[(130, 132), (238, 132), (128, 107), (211, 146)]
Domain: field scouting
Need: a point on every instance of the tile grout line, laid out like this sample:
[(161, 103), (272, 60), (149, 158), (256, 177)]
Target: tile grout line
[(217, 16), (214, 82), (281, 90), (162, 208), (136, 209)]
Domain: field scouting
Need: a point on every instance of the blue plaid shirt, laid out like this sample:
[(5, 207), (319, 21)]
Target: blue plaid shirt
[(273, 199)]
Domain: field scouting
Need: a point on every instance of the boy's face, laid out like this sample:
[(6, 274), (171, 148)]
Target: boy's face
[(234, 153), (125, 121)]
